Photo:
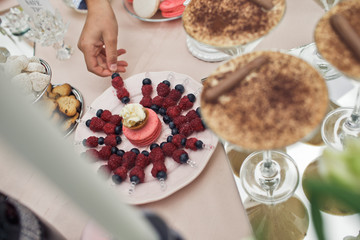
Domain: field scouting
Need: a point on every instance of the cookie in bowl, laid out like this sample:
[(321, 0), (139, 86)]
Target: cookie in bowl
[(62, 105), (31, 76)]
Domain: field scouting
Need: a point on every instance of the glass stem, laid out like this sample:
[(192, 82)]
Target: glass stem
[(270, 173), (354, 121), (267, 159)]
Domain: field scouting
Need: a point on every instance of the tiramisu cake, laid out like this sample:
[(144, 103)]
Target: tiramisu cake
[(264, 100), (332, 45), (226, 23)]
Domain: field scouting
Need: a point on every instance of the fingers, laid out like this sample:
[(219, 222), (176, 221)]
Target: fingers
[(111, 51)]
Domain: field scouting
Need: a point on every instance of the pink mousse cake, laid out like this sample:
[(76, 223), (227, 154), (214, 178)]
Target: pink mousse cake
[(147, 134)]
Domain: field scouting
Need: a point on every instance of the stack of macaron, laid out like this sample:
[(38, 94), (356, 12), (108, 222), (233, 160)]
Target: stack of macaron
[(147, 134), (148, 8)]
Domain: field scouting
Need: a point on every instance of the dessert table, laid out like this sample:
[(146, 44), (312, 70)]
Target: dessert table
[(208, 208)]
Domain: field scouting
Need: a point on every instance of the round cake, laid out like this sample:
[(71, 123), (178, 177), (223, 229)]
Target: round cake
[(274, 106), (230, 23), (147, 134), (331, 46)]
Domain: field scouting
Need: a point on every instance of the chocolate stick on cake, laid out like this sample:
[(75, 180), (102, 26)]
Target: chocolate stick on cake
[(347, 33), (212, 94)]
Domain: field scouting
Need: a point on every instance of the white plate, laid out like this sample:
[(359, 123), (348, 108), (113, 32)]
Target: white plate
[(178, 175)]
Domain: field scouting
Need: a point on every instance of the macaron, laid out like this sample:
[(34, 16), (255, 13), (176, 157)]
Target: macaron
[(146, 8), (171, 8), (147, 134)]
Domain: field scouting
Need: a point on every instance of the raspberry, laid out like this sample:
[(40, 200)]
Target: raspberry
[(180, 120), (146, 90), (105, 152), (91, 141), (114, 161), (191, 144), (109, 128), (158, 100), (106, 115), (146, 101), (156, 154), (177, 155), (138, 172), (93, 153), (168, 148), (117, 82), (168, 102), (121, 93), (162, 89), (197, 125), (142, 160), (110, 140), (158, 167), (121, 172), (115, 119), (191, 115), (175, 95), (96, 124), (186, 129), (173, 111), (176, 140), (185, 103), (128, 159)]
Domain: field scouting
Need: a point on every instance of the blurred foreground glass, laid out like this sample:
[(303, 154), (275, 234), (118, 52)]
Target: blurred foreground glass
[(251, 115), (341, 123), (217, 30), (49, 30)]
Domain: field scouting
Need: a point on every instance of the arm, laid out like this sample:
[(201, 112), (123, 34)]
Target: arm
[(101, 30)]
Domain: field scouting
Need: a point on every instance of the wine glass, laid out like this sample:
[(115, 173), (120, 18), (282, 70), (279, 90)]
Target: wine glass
[(344, 122), (218, 30), (265, 104), (310, 53), (49, 29)]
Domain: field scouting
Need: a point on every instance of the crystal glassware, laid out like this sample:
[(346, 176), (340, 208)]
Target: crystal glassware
[(49, 29), (344, 122), (217, 30), (16, 20), (270, 107)]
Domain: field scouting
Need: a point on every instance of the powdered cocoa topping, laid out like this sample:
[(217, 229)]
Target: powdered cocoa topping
[(274, 106), (225, 23), (330, 44)]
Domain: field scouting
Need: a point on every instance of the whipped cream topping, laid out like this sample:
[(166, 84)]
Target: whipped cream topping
[(132, 114)]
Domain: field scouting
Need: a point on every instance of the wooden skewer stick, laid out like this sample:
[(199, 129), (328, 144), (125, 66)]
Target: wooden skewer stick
[(347, 33), (212, 94), (266, 4)]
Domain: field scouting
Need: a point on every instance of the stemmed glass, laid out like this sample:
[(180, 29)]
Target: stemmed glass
[(49, 29), (344, 122), (218, 30), (310, 53), (262, 101)]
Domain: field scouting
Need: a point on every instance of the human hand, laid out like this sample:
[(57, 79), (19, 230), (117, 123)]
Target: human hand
[(98, 40)]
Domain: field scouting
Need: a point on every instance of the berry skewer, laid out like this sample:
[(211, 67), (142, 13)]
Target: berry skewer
[(128, 162), (137, 174), (157, 158)]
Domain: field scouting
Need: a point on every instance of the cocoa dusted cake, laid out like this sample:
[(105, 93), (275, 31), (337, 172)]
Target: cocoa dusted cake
[(331, 45), (278, 102), (230, 23)]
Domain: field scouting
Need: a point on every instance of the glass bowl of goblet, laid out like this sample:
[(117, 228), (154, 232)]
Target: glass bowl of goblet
[(310, 53), (270, 107), (218, 30), (334, 46)]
